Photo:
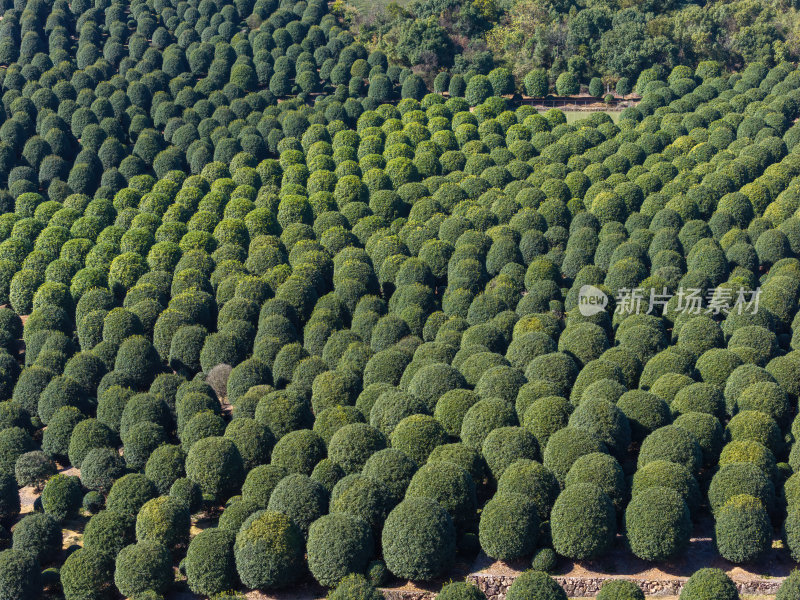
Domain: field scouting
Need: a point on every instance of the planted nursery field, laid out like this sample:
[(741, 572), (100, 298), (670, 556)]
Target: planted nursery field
[(278, 321)]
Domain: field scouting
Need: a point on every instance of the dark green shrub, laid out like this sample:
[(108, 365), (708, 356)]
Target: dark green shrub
[(535, 584), (505, 445), (93, 502), (583, 522), (260, 482), (188, 493), (545, 560), (620, 589), (144, 566), (509, 526), (301, 498), (268, 550), (235, 514), (646, 412), (254, 441), (86, 574), (165, 466), (672, 444), (451, 408), (108, 532), (20, 575), (355, 587), (210, 565), (34, 468), (100, 468), (61, 391), (565, 446), (392, 468), (460, 590), (38, 535), (352, 445), (129, 493), (432, 381), (790, 588), (391, 407), (163, 520), (362, 497), (14, 442), (484, 416), (603, 471), (87, 435), (450, 485), (419, 539), (417, 436), (657, 524), (214, 463), (338, 544), (663, 473), (298, 451), (62, 496), (742, 531), (140, 442)]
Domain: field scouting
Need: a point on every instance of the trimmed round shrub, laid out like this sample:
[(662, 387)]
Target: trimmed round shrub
[(210, 565), (301, 498), (129, 493), (602, 470), (657, 524), (109, 532), (483, 417), (20, 575), (260, 482), (531, 479), (672, 444), (32, 468), (100, 468), (355, 587), (742, 531), (460, 590), (605, 420), (338, 544), (583, 522), (505, 445), (509, 526), (535, 584), (419, 539), (38, 535), (663, 473), (392, 468), (62, 496), (269, 551), (709, 584), (86, 436), (352, 445), (450, 485), (163, 520), (299, 451), (144, 566), (86, 573), (14, 442), (417, 436), (165, 466), (565, 446), (432, 381), (214, 463), (620, 589), (451, 408)]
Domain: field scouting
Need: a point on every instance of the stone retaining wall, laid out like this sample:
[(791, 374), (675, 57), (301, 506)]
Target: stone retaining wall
[(496, 586)]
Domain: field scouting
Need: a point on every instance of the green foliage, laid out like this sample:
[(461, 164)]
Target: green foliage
[(419, 539), (268, 550), (582, 522), (535, 584), (210, 564), (657, 524), (742, 531), (338, 544), (141, 567), (62, 496), (509, 526), (709, 583)]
